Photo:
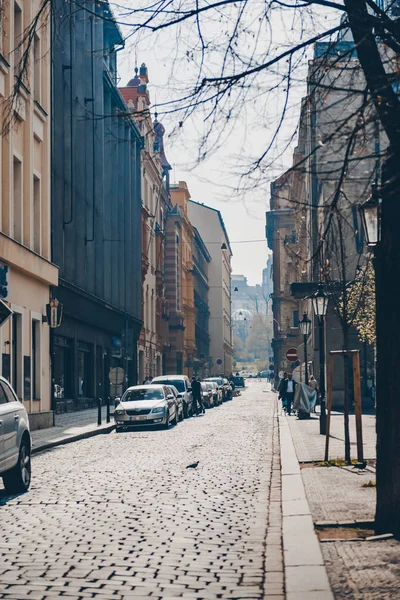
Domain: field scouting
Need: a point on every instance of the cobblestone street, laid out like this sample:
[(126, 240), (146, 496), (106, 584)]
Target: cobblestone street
[(120, 515)]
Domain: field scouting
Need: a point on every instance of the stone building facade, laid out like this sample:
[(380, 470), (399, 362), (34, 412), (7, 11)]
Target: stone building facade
[(152, 344), (180, 283), (201, 262), (209, 222), (27, 272), (96, 209)]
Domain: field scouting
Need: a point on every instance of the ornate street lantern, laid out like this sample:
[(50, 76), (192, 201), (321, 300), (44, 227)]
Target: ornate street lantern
[(371, 213)]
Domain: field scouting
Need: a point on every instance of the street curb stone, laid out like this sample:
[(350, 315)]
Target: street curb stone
[(72, 438), (305, 573)]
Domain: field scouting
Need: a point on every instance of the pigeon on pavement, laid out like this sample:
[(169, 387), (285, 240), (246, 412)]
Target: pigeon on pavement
[(193, 465)]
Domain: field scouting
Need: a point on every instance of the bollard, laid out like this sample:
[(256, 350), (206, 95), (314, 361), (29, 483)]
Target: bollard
[(108, 409), (99, 411)]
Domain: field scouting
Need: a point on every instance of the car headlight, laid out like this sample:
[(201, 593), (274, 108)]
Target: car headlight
[(119, 411), (158, 409)]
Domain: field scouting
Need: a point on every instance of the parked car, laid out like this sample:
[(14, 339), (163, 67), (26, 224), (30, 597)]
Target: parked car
[(222, 388), (146, 405), (217, 392), (207, 393), (179, 401), (15, 441), (228, 388), (238, 381), (183, 385)]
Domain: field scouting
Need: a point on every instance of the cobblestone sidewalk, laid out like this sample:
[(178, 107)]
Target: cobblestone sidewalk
[(69, 427), (360, 570)]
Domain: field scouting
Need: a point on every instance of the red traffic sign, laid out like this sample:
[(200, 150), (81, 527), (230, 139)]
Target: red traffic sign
[(291, 355)]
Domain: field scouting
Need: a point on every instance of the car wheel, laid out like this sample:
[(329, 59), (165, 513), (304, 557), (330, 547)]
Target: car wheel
[(185, 411), (181, 414), (166, 424), (175, 421), (18, 479)]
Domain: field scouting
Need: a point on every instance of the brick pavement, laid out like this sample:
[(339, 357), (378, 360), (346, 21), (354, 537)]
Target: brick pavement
[(359, 570), (68, 426), (120, 516)]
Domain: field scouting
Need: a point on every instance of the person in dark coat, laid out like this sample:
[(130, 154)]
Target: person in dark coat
[(288, 391), (197, 399)]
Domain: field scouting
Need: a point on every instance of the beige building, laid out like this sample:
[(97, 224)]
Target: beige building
[(25, 250), (211, 227)]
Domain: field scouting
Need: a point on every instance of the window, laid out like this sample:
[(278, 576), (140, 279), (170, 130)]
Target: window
[(35, 354), (36, 69), (3, 397), (295, 318), (17, 37), (17, 200), (36, 214), (8, 392), (16, 353)]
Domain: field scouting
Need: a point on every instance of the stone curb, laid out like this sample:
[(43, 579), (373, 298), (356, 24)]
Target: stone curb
[(305, 573), (73, 438)]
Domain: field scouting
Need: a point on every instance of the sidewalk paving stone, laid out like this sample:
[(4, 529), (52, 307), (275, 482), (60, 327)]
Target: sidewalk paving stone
[(357, 570), (70, 427)]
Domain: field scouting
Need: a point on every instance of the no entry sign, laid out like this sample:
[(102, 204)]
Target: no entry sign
[(291, 354)]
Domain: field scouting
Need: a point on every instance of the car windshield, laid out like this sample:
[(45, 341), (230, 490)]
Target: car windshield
[(219, 381), (143, 394), (178, 383)]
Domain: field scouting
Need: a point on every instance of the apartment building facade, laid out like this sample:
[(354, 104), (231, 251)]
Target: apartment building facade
[(153, 339), (180, 283), (27, 273), (96, 199), (209, 222)]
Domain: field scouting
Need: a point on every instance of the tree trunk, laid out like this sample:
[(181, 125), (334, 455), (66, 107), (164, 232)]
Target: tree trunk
[(387, 264), (347, 452)]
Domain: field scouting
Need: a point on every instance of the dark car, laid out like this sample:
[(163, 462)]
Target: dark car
[(238, 381)]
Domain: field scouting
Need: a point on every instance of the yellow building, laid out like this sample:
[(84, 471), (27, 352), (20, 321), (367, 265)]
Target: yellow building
[(180, 283), (25, 250)]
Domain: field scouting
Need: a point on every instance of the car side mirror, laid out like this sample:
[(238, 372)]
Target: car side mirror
[(170, 396), (117, 400), (189, 389)]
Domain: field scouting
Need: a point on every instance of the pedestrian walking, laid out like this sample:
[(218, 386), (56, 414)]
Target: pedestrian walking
[(197, 399), (313, 383), (288, 391), (280, 390)]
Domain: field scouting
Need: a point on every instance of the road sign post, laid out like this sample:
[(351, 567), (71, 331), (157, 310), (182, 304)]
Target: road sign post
[(291, 355)]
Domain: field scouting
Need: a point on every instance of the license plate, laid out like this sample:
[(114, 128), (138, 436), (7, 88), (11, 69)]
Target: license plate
[(138, 418)]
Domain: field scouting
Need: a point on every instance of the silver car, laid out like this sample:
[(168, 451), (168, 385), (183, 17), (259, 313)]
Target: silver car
[(184, 387), (179, 401), (15, 441), (146, 405), (207, 393)]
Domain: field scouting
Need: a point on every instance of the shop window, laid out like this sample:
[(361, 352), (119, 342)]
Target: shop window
[(62, 368), (84, 367)]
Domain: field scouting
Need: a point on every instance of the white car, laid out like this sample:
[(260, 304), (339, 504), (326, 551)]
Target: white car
[(15, 441), (146, 405)]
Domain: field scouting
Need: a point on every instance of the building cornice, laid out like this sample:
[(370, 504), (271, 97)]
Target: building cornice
[(27, 261)]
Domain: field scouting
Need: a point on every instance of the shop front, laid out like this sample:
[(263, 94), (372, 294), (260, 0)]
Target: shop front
[(92, 341)]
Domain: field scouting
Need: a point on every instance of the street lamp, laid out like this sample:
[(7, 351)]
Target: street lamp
[(305, 329), (320, 306), (371, 213)]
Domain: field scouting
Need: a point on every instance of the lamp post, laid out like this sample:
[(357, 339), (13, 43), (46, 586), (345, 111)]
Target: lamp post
[(305, 329), (320, 306)]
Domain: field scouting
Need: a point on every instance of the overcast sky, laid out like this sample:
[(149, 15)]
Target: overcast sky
[(214, 180)]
